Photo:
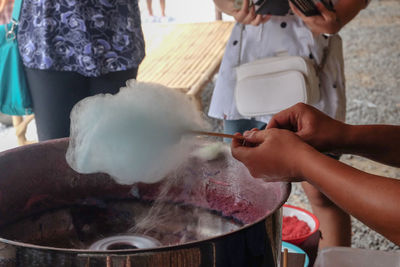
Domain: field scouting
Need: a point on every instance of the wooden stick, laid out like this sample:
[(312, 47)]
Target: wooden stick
[(285, 257), (216, 134)]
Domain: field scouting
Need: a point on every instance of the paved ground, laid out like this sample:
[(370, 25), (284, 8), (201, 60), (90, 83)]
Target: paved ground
[(372, 60)]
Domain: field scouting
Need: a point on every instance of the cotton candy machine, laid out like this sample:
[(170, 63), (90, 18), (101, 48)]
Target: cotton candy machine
[(212, 214)]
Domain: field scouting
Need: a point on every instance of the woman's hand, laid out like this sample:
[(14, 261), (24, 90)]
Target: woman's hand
[(247, 15), (312, 126), (274, 154), (327, 22)]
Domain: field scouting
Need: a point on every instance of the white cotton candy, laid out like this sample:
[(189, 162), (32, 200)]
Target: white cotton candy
[(211, 151), (134, 135)]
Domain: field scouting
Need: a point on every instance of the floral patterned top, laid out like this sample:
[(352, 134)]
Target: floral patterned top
[(91, 37)]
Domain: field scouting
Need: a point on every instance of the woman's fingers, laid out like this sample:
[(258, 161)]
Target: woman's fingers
[(265, 18), (326, 22), (250, 16), (246, 16), (310, 21), (257, 20), (297, 11), (242, 14), (325, 13), (239, 151), (245, 6), (255, 137), (237, 142), (260, 19)]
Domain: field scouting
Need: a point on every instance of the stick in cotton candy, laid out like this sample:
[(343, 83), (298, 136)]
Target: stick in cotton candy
[(134, 136)]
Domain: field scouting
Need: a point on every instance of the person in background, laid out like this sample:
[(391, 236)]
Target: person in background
[(75, 49), (153, 18), (291, 146), (312, 37)]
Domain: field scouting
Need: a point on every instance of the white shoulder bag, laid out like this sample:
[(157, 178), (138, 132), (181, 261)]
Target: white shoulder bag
[(269, 85)]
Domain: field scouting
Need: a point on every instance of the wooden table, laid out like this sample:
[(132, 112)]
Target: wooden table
[(184, 56)]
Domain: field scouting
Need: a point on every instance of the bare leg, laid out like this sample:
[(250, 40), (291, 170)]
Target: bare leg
[(162, 5), (149, 7), (21, 125), (335, 224)]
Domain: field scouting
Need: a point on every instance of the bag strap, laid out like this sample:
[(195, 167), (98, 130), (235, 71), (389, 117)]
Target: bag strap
[(240, 43), (325, 54), (17, 10)]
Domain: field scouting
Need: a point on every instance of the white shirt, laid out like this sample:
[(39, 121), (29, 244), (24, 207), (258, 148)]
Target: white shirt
[(280, 33)]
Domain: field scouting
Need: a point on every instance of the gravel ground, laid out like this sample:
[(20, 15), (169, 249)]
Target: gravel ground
[(372, 65)]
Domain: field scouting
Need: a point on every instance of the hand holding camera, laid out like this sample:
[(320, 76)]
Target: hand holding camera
[(247, 13)]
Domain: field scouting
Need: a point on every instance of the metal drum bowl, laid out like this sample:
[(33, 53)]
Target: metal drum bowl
[(210, 215)]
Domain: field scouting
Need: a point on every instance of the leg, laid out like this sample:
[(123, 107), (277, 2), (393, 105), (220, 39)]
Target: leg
[(20, 124), (150, 7), (162, 5), (54, 93), (335, 224), (110, 83), (239, 126)]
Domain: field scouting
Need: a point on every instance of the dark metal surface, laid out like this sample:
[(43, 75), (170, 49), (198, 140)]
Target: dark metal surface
[(39, 191)]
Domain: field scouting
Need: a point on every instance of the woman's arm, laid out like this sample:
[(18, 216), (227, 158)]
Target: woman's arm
[(346, 10), (377, 142), (370, 198), (331, 21), (287, 149), (245, 15), (281, 155)]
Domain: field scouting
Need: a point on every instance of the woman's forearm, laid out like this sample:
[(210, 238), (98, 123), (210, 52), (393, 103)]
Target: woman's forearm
[(346, 10), (370, 198), (377, 142)]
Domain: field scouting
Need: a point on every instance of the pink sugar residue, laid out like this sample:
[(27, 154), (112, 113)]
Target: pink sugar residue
[(293, 228)]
